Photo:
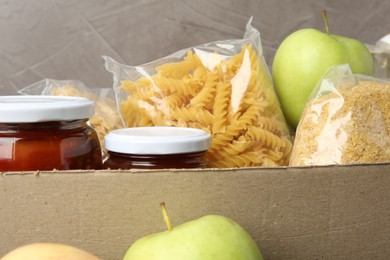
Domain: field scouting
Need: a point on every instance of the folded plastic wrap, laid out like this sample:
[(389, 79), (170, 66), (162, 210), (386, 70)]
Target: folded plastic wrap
[(106, 117), (346, 121), (381, 54), (222, 87)]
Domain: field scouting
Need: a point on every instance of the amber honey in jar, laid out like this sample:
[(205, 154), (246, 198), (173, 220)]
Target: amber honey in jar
[(46, 133), (156, 148)]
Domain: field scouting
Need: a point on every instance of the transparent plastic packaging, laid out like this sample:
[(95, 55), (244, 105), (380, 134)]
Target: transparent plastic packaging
[(381, 54), (346, 121), (106, 117), (223, 88)]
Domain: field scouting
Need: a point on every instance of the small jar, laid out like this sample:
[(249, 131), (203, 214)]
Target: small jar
[(156, 148), (46, 133)]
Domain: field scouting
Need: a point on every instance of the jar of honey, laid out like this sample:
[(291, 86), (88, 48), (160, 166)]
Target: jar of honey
[(46, 133), (156, 148)]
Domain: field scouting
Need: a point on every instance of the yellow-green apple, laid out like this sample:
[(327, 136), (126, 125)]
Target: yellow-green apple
[(210, 237), (48, 251), (304, 56)]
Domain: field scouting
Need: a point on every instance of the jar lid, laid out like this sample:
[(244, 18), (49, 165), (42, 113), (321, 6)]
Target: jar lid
[(157, 140), (29, 109)]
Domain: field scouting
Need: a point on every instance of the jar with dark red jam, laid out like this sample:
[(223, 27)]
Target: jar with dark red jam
[(46, 133), (156, 148)]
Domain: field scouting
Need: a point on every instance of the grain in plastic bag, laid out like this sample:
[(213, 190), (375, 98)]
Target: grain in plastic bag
[(222, 87), (106, 117), (346, 121)]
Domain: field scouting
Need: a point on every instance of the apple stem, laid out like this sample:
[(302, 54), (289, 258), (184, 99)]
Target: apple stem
[(166, 218), (324, 14)]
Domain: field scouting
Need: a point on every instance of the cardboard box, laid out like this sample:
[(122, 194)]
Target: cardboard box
[(333, 212)]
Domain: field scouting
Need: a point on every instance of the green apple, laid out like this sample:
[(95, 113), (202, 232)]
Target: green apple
[(210, 237), (304, 56)]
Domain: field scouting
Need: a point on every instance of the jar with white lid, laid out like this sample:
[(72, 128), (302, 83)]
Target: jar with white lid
[(46, 133), (156, 148)]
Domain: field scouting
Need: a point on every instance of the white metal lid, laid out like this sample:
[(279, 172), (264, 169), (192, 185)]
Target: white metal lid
[(29, 109), (157, 140)]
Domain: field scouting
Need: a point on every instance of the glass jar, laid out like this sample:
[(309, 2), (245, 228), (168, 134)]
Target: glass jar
[(46, 133), (156, 148)]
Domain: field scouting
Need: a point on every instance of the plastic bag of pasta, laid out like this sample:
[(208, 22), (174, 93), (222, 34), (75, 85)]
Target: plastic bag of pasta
[(221, 87), (346, 121), (106, 117)]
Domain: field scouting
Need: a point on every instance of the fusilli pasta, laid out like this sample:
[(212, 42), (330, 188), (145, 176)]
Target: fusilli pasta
[(233, 101)]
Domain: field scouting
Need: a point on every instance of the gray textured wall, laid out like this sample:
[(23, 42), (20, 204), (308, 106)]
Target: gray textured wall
[(64, 39)]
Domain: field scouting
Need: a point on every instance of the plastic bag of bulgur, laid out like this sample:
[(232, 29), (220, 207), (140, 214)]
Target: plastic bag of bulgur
[(106, 117), (346, 121)]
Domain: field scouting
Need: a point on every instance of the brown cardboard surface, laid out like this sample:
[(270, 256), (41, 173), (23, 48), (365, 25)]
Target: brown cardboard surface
[(336, 212)]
